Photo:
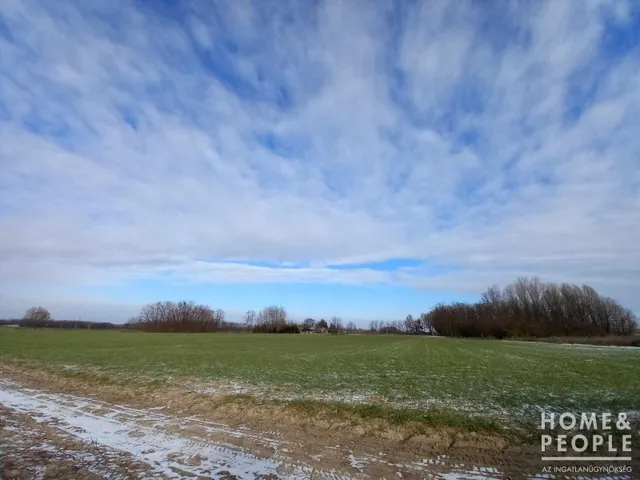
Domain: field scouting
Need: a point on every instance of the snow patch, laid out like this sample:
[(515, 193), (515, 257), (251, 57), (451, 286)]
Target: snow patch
[(146, 436)]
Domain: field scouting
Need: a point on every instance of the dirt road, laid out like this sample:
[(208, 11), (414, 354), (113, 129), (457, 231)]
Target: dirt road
[(57, 435), (53, 435)]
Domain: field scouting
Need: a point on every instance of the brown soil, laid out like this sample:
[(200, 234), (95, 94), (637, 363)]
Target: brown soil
[(30, 449)]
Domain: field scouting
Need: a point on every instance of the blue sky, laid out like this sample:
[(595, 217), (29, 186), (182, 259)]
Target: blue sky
[(360, 159)]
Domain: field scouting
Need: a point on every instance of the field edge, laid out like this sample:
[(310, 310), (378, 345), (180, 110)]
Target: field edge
[(397, 423)]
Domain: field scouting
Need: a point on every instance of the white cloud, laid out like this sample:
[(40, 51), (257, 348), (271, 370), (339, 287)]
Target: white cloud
[(137, 142)]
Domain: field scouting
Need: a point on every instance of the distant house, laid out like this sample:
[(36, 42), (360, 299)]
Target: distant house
[(13, 325)]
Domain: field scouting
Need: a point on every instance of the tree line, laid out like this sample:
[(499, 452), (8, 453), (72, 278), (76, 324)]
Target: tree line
[(410, 325), (527, 308), (39, 317), (531, 308), (271, 319), (174, 317)]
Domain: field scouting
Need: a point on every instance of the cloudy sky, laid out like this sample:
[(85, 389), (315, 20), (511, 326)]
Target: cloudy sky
[(361, 159)]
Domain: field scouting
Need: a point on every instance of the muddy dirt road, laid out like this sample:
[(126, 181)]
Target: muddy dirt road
[(53, 435), (57, 435)]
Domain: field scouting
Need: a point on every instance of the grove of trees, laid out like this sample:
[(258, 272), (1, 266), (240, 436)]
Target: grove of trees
[(274, 319), (178, 317), (531, 308)]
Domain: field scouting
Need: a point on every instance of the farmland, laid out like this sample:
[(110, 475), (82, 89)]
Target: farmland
[(496, 379)]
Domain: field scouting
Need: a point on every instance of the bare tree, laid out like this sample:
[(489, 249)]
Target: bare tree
[(219, 317), (410, 324), (274, 319), (250, 317), (36, 317), (335, 326), (273, 315)]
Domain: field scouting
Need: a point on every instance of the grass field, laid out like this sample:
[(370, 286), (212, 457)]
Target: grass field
[(508, 379)]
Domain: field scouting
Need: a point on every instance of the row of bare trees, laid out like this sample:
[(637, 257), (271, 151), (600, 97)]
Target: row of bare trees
[(178, 317), (531, 308), (410, 325), (335, 325), (190, 317), (271, 319)]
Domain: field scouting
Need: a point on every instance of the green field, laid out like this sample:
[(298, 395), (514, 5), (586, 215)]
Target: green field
[(475, 376)]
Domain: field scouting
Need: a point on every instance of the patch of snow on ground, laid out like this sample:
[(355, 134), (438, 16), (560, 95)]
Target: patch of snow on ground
[(144, 435)]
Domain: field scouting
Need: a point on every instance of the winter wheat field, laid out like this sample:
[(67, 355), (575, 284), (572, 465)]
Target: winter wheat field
[(104, 404)]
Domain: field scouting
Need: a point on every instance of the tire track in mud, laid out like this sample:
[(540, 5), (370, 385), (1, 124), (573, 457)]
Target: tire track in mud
[(158, 440)]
